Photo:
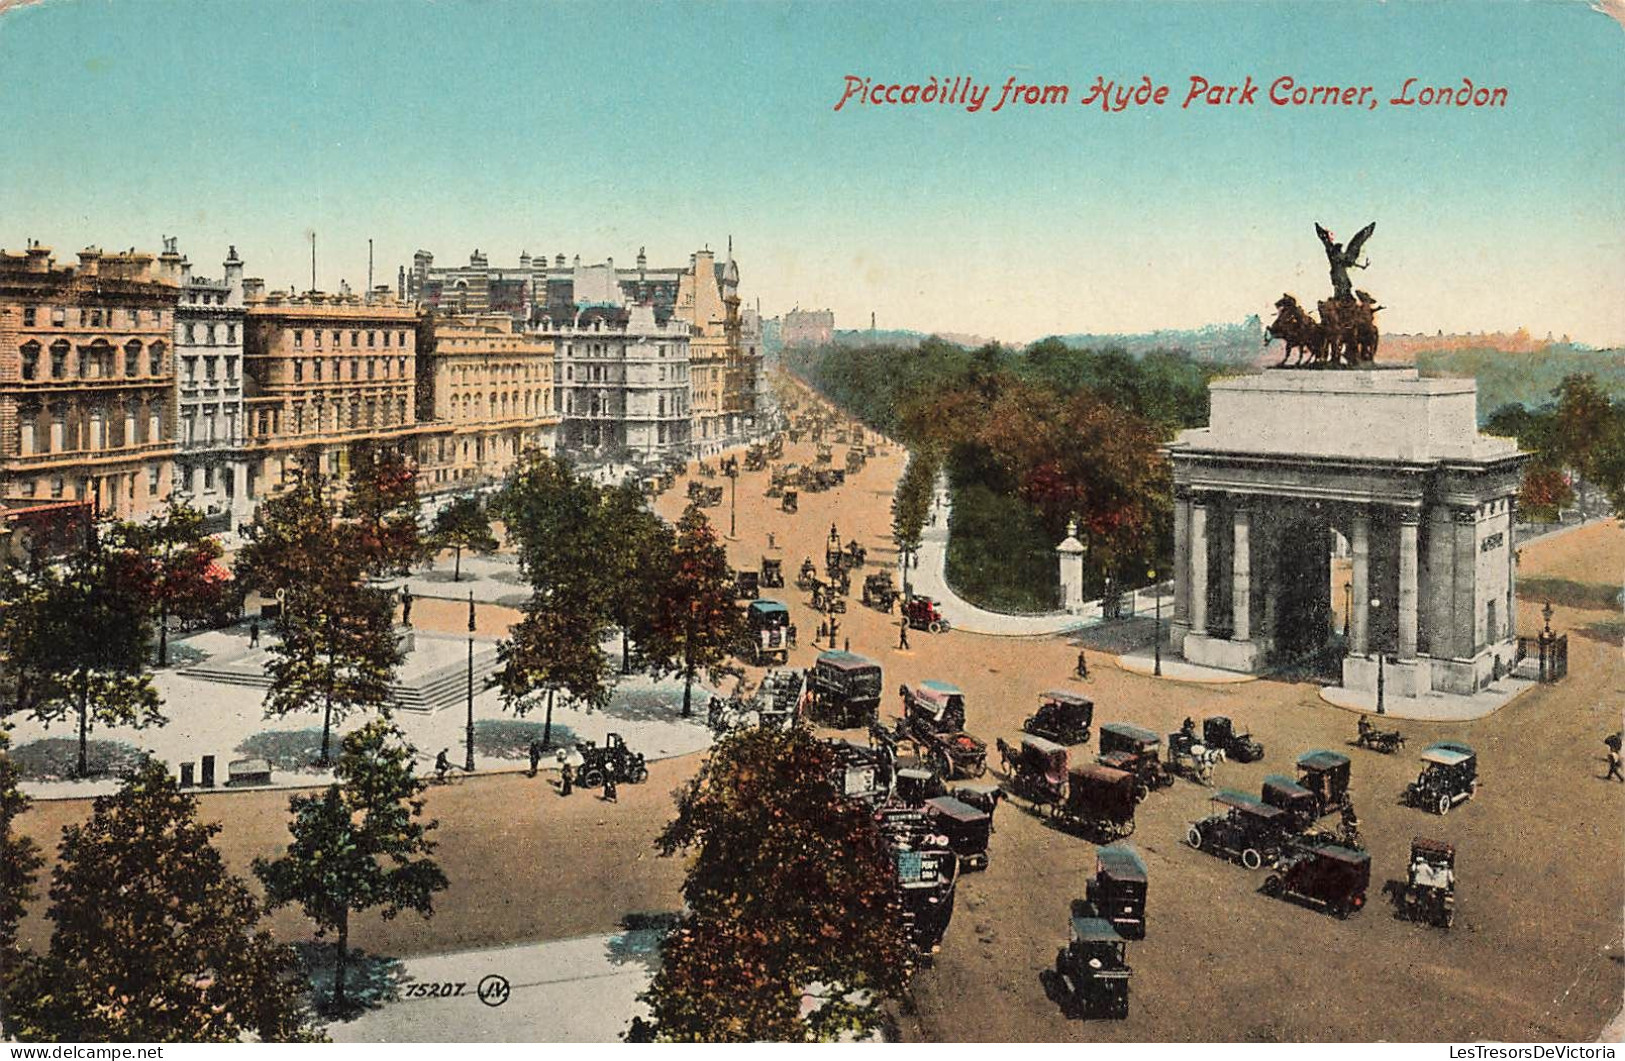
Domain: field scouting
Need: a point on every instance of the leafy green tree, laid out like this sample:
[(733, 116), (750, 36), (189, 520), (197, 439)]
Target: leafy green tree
[(463, 524), (359, 845), (911, 504), (154, 941), (631, 535), (696, 624), (20, 859), (383, 508), (337, 649), (791, 892), (74, 639), (554, 648), (554, 520), (174, 558)]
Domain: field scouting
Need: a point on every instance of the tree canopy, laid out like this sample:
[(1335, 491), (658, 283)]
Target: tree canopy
[(359, 845), (695, 625), (154, 940), (791, 892), (463, 524)]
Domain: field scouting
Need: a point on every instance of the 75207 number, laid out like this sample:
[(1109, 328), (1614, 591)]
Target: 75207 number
[(439, 990)]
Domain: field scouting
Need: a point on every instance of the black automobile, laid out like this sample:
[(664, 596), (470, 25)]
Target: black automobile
[(1298, 802), (1218, 732), (1092, 971), (1326, 774), (966, 827), (1063, 717), (1117, 891), (1449, 776), (614, 759), (1328, 875), (747, 584), (1245, 830)]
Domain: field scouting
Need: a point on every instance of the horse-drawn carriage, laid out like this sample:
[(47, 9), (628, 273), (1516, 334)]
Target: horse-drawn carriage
[(1117, 891), (1036, 769), (807, 576), (1136, 751), (1299, 804), (1386, 741), (1326, 774), (879, 591), (934, 722), (791, 502), (1189, 758), (772, 573), (1099, 802)]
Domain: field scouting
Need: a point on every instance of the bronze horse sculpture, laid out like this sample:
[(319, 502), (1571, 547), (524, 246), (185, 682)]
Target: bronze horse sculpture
[(1346, 332)]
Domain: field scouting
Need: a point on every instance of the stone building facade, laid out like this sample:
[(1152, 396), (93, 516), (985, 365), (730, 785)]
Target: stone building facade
[(621, 381), (485, 392), (211, 469), (322, 372), (807, 327), (87, 381), (1392, 463)]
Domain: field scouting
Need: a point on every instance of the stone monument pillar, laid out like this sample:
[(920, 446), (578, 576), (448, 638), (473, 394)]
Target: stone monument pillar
[(1070, 556)]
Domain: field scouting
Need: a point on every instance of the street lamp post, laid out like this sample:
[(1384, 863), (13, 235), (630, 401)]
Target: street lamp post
[(1348, 613), (1156, 631), (468, 761), (1377, 603), (733, 497)]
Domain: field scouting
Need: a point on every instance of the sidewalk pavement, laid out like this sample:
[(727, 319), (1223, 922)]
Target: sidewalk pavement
[(1174, 668), (1434, 707), (574, 990)]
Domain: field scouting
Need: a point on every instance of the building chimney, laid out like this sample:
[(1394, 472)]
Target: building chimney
[(253, 289), (234, 278)]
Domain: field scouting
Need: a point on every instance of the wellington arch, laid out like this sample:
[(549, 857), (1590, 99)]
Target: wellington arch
[(1395, 465)]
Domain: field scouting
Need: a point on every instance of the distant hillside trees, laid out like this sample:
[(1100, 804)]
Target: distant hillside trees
[(1578, 440)]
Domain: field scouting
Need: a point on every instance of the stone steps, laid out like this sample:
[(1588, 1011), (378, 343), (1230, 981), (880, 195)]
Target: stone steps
[(422, 694)]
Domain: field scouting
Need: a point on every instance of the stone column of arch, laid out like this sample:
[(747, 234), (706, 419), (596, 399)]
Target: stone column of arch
[(1198, 554)]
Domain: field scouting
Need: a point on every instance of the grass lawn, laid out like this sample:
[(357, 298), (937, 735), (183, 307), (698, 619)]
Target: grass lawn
[(999, 556)]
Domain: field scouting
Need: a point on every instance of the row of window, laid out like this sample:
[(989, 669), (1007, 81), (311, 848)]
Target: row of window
[(355, 338), (210, 334), (95, 361), (189, 368), (619, 350), (355, 368), (89, 316), (111, 496), (522, 403), (41, 431), (464, 374), (325, 417)]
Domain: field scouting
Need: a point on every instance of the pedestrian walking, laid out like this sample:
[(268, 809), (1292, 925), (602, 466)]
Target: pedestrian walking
[(902, 635), (1613, 767), (609, 787), (567, 780), (1083, 665), (254, 634), (847, 645), (535, 756), (834, 627)]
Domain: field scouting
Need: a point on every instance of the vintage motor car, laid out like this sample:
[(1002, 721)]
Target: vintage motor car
[(923, 613), (1246, 830), (1099, 801), (1062, 717), (771, 633), (1449, 776), (879, 591), (614, 759), (772, 573), (1326, 774), (790, 502), (1217, 732), (1329, 875), (1298, 802), (1429, 892), (1116, 892), (755, 458), (1137, 751), (1037, 769), (1386, 741), (1092, 971), (844, 689), (747, 584), (966, 827)]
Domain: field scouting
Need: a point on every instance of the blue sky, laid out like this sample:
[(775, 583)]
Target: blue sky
[(599, 128)]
